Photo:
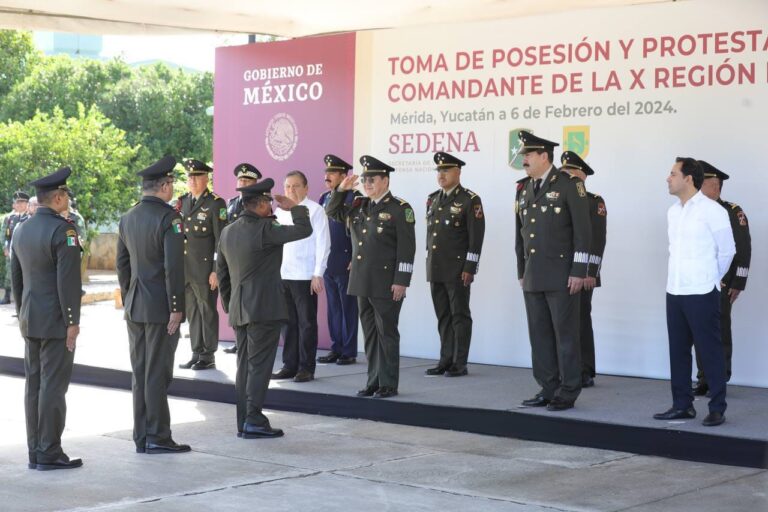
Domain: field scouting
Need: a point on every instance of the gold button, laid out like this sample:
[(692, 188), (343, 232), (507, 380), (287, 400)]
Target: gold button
[(189, 218), (359, 243), (385, 267), (185, 252), (440, 209), (533, 251), (533, 236), (561, 255), (365, 231), (434, 234), (434, 247), (359, 257), (187, 230), (534, 205), (437, 222), (533, 220), (367, 218)]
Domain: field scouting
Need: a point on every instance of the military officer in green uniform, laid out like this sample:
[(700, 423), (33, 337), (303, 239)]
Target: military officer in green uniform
[(10, 223), (455, 229), (552, 242), (150, 269), (735, 280), (204, 215), (246, 175), (598, 215), (45, 267), (250, 256), (383, 245)]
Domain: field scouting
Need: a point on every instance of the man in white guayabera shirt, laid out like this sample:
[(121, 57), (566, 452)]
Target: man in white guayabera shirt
[(304, 263), (701, 248)]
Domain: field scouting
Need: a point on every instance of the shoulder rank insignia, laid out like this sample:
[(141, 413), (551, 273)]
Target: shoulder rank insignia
[(472, 195), (403, 202)]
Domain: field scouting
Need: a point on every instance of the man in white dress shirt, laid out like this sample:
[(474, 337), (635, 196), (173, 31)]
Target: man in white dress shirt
[(701, 248), (304, 263)]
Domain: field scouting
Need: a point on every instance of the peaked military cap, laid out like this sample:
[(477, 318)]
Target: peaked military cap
[(54, 181), (571, 160), (161, 168), (334, 163), (447, 161), (263, 188), (710, 171), (196, 167), (20, 195), (246, 170), (533, 143), (372, 165)]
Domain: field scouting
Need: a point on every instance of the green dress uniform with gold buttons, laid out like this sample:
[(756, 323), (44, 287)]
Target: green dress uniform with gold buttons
[(204, 218), (383, 248), (150, 269), (455, 230), (735, 278), (552, 242), (45, 270)]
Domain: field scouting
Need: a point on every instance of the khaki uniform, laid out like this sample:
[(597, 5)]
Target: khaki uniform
[(553, 237), (45, 268), (150, 269), (203, 222), (383, 247), (455, 231)]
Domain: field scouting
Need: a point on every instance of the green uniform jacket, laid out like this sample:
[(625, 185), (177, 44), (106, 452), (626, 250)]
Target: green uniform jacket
[(150, 261), (736, 277), (383, 242), (248, 267), (553, 232), (598, 216), (455, 230), (203, 223), (45, 268)]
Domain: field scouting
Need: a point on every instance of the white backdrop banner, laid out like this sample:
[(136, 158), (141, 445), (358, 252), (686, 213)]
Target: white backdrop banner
[(629, 89)]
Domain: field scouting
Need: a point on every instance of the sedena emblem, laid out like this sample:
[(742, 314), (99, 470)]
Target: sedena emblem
[(576, 139)]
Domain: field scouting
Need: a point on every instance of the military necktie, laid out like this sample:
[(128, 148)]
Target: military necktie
[(194, 200), (536, 186)]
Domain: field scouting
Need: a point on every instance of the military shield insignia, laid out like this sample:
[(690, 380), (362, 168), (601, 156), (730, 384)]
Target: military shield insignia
[(409, 216), (580, 189), (576, 139), (514, 158), (222, 214), (176, 225)]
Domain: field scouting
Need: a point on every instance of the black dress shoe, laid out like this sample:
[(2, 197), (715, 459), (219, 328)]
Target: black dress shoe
[(437, 370), (303, 376), (31, 465), (330, 357), (700, 389), (385, 392), (368, 391), (284, 373), (189, 364), (456, 372), (231, 350), (587, 382), (676, 414), (537, 401), (251, 431), (204, 365), (141, 449), (167, 447), (714, 419), (344, 360), (559, 404), (61, 463)]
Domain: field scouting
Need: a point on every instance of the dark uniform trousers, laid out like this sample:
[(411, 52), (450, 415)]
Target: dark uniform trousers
[(300, 334), (342, 315), (203, 319), (454, 322), (256, 350), (379, 318), (48, 364), (587, 338), (694, 320), (152, 352)]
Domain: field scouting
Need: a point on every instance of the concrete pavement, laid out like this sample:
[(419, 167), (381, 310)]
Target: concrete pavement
[(332, 464)]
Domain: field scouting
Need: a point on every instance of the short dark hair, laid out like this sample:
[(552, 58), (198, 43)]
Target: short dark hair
[(45, 197), (299, 174), (154, 185), (550, 153), (252, 201), (691, 167)]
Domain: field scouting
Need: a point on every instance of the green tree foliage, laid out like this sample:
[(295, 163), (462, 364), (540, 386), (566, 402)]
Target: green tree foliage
[(103, 173), (17, 57)]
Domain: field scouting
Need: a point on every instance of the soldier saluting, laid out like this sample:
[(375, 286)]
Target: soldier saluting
[(598, 216), (455, 230), (553, 237), (383, 245), (204, 215), (45, 269)]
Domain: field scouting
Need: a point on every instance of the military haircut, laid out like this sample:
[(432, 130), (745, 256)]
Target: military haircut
[(253, 201), (153, 185), (300, 174), (549, 151), (45, 197), (691, 167)]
